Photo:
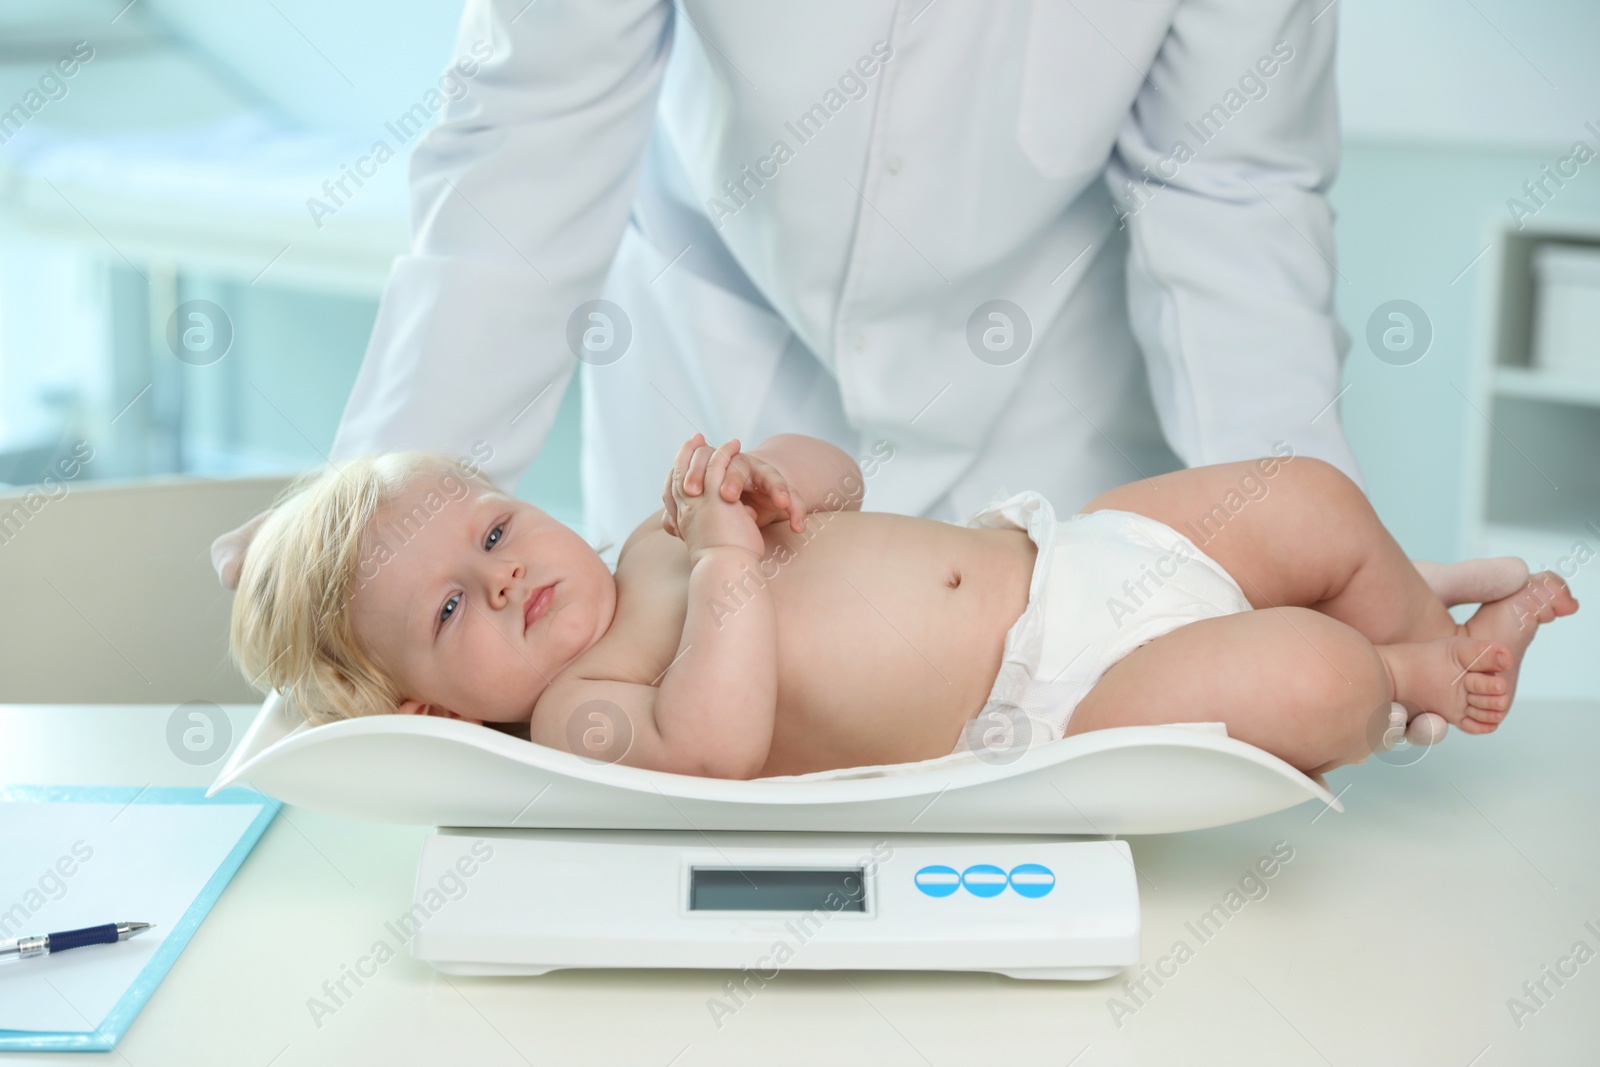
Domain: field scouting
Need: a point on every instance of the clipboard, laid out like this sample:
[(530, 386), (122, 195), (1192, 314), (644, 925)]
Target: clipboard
[(84, 855)]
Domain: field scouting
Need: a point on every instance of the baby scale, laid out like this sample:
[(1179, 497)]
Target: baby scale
[(542, 859)]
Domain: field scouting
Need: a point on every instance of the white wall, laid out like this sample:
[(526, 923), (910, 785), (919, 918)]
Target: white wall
[(1503, 73), (346, 65)]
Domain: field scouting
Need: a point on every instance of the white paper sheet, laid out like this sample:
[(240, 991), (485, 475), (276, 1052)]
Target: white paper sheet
[(139, 862)]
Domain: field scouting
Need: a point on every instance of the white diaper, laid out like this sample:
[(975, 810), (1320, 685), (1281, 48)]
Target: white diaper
[(1103, 584)]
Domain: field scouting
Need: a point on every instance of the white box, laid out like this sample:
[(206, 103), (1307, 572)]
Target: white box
[(1566, 311)]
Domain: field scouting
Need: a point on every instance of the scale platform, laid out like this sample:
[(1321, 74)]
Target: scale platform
[(545, 859), (522, 902)]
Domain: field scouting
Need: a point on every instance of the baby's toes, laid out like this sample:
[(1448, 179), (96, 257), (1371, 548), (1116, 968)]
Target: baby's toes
[(1544, 598), (1487, 702), (1487, 709), (1554, 594), (1486, 691), (1480, 656)]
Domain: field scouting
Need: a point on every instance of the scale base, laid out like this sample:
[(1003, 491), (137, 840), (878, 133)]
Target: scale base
[(495, 902), (1047, 974)]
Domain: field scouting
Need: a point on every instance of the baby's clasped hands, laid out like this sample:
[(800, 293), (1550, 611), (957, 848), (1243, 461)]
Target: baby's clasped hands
[(708, 520), (750, 479)]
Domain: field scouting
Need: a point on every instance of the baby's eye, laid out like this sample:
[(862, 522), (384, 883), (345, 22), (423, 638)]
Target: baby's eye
[(496, 535)]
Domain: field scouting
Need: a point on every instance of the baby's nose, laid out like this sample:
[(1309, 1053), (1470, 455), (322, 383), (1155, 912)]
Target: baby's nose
[(511, 583)]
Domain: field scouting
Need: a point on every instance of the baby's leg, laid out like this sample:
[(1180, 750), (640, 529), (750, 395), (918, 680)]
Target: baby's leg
[(1298, 683), (1303, 535)]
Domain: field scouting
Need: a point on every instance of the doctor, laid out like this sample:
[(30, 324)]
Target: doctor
[(1008, 245)]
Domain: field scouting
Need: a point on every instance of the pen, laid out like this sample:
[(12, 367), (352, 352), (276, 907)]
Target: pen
[(44, 944)]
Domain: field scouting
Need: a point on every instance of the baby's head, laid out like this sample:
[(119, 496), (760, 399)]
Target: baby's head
[(397, 584)]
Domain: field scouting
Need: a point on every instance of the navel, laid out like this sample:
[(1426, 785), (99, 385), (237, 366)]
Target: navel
[(954, 581)]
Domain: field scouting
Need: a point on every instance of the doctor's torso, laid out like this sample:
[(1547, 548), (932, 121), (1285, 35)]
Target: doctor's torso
[(832, 196), (889, 223), (890, 166)]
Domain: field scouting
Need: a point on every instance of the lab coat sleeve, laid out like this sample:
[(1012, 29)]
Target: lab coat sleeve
[(519, 198), (1220, 173)]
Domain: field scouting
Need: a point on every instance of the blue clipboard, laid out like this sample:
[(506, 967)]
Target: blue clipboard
[(111, 1028)]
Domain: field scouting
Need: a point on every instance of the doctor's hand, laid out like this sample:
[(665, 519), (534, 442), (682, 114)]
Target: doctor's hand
[(750, 479), (227, 551), (707, 520)]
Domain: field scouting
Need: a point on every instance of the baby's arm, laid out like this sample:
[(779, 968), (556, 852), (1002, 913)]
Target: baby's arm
[(719, 699), (720, 695), (823, 476), (712, 714)]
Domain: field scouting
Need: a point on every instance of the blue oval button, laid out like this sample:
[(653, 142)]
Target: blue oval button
[(984, 880), (937, 880), (1032, 879)]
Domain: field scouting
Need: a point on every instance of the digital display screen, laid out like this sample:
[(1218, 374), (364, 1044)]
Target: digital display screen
[(777, 889)]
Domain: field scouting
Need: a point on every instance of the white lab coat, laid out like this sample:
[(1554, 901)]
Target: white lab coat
[(987, 157)]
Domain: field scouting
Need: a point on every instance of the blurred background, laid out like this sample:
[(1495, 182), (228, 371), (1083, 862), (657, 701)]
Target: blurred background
[(156, 203)]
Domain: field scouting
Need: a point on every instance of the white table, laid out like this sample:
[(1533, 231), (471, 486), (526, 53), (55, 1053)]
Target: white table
[(1396, 935)]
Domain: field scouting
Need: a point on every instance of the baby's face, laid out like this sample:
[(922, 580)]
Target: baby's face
[(443, 612)]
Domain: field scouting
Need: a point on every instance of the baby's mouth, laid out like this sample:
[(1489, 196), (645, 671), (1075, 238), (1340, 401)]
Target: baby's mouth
[(538, 603)]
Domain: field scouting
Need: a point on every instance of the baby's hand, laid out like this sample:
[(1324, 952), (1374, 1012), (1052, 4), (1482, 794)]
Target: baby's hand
[(751, 479), (708, 521)]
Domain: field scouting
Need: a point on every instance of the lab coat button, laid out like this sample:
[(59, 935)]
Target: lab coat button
[(892, 164), (858, 340)]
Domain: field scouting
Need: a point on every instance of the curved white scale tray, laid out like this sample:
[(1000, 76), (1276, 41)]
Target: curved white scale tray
[(433, 771)]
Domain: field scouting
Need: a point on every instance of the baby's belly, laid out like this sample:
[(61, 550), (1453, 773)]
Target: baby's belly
[(890, 633)]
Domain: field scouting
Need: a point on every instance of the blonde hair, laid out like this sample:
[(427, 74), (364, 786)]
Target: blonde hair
[(292, 626)]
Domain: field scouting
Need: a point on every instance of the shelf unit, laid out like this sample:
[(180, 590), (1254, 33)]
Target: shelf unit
[(1532, 462)]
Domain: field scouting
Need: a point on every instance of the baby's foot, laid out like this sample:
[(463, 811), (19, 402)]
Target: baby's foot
[(1473, 581), (1459, 678), (1513, 620)]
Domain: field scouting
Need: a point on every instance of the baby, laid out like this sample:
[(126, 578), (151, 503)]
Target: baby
[(761, 624)]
